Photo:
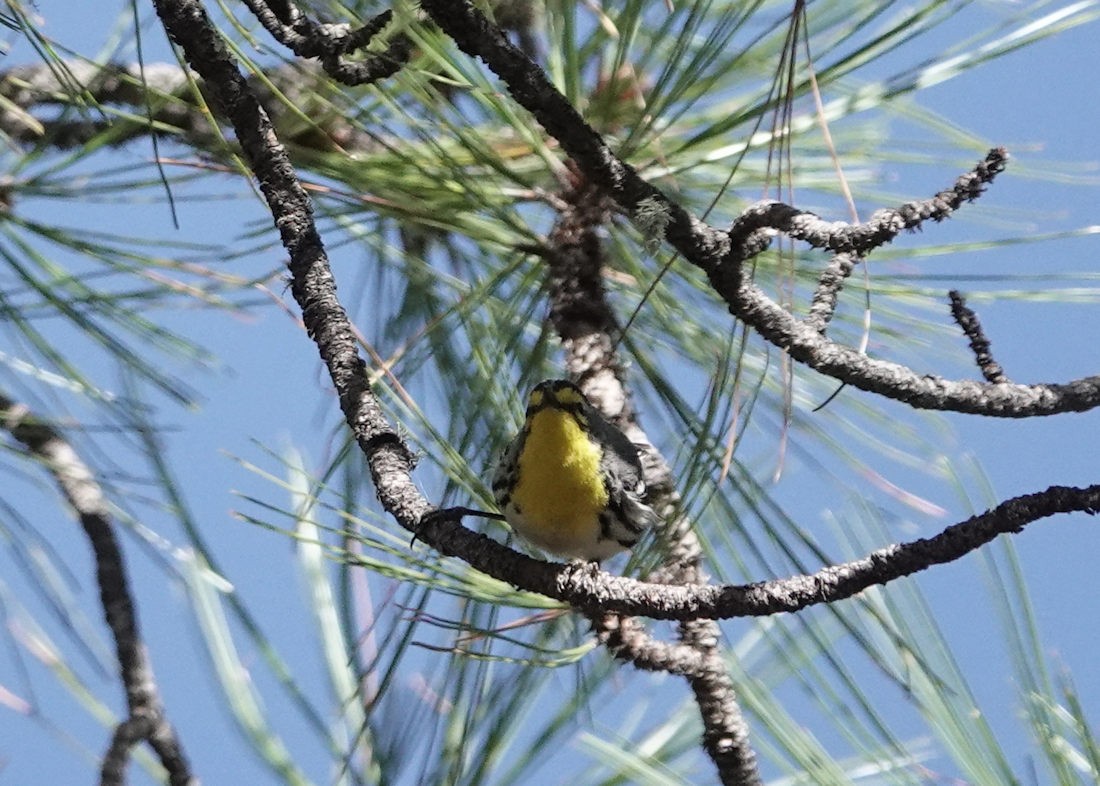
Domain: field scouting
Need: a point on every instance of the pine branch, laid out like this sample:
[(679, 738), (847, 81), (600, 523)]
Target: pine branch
[(158, 98), (722, 255), (585, 586), (146, 720), (391, 461), (582, 316), (588, 588)]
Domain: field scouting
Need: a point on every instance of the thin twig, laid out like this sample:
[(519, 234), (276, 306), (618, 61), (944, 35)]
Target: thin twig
[(972, 328), (329, 43), (883, 226), (831, 281), (145, 720), (626, 639)]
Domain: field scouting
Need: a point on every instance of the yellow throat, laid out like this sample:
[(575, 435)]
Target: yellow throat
[(561, 490)]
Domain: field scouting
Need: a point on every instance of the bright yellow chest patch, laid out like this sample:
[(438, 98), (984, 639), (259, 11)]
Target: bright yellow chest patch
[(560, 490)]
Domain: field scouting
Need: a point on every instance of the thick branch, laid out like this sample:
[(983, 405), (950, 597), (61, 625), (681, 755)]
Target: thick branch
[(586, 587), (582, 316), (145, 717), (312, 284), (527, 83), (892, 380)]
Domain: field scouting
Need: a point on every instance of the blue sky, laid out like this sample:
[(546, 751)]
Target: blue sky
[(1041, 102)]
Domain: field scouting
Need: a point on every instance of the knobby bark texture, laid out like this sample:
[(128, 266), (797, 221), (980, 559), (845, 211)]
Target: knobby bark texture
[(980, 345)]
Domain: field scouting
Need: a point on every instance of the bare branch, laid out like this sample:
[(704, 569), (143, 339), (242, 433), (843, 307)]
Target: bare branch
[(972, 328), (851, 242), (885, 225), (587, 587), (145, 718), (823, 304), (330, 43)]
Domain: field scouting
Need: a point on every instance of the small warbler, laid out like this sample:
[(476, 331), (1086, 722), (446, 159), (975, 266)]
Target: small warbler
[(570, 482)]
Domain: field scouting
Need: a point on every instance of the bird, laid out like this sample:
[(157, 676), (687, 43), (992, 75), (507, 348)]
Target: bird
[(570, 482)]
